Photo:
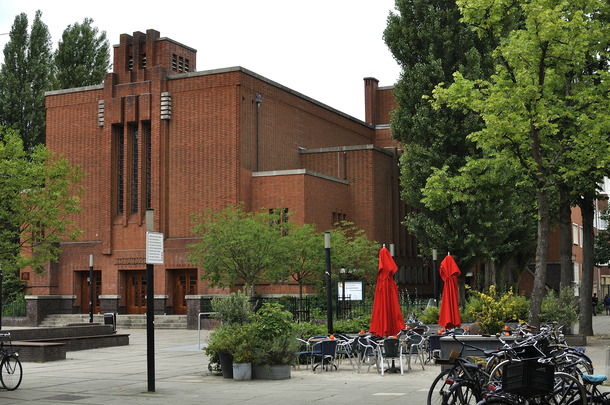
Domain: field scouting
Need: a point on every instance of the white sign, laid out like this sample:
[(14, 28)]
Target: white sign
[(353, 290), (154, 248)]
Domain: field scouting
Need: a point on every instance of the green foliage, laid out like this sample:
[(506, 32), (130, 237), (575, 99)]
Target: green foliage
[(492, 310), (559, 308), (234, 338), (602, 241), (302, 248), (38, 194), (354, 325), (234, 308), (430, 315), (25, 76), (305, 330), (236, 246), (352, 250), (274, 336), (82, 57)]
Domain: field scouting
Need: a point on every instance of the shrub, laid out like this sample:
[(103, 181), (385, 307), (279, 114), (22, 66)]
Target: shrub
[(561, 309), (351, 325), (274, 336), (493, 310), (233, 308), (430, 315)]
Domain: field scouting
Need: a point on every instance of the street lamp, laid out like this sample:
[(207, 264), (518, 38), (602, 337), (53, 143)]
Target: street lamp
[(91, 283), (329, 294), (435, 274), (342, 276)]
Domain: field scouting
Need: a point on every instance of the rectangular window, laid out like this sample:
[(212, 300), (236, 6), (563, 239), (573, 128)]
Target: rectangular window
[(174, 61), (119, 164), (575, 234), (130, 63), (135, 162), (148, 163), (186, 65), (180, 64), (143, 62), (338, 218)]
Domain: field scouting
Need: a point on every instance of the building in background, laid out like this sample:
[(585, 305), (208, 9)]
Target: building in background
[(159, 135)]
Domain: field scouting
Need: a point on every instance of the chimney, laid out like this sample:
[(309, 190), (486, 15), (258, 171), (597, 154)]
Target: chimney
[(370, 100)]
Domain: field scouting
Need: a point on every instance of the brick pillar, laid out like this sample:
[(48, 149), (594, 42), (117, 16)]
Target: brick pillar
[(39, 306)]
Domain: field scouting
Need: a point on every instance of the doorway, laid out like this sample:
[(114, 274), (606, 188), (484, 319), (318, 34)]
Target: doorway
[(185, 283), (136, 292), (84, 291)]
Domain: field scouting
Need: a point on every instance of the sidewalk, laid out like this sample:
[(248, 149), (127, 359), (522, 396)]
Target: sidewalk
[(118, 375)]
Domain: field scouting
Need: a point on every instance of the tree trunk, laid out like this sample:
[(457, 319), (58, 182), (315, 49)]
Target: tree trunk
[(565, 227), (585, 321), (541, 251)]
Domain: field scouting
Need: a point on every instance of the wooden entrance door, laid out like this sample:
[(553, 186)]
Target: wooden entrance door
[(136, 292), (185, 283), (84, 291)]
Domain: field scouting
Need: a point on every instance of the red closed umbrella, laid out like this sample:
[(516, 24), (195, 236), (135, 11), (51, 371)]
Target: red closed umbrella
[(386, 318), (449, 316)]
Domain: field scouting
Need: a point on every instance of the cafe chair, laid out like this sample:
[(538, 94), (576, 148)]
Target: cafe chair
[(416, 347), (347, 348), (390, 350), (368, 351), (304, 353), (434, 346), (326, 352)]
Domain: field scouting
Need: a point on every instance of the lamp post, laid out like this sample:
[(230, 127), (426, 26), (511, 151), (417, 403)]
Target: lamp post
[(1, 297), (150, 310), (435, 274), (91, 284), (329, 294), (342, 275)]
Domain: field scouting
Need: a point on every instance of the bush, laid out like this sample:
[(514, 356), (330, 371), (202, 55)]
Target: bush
[(233, 308), (351, 325), (561, 309), (274, 336), (493, 310), (430, 315)]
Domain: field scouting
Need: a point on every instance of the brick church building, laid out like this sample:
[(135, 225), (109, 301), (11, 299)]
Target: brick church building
[(159, 135)]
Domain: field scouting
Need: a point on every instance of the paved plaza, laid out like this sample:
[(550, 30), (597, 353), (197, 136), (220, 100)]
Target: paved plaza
[(118, 375)]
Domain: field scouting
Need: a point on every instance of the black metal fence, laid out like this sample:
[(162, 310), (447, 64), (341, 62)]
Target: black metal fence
[(311, 308)]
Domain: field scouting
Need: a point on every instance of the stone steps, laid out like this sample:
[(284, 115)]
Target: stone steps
[(123, 321)]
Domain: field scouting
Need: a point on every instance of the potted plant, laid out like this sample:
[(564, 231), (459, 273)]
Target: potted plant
[(233, 312), (275, 343)]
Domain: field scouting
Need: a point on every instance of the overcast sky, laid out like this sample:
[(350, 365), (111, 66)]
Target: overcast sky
[(323, 49)]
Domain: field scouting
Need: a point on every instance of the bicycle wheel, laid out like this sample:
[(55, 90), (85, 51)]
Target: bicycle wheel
[(10, 372), (495, 374), (566, 390), (438, 388), (462, 393), (499, 400)]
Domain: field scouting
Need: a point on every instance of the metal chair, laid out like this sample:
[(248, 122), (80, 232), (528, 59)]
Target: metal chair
[(326, 351), (434, 346), (417, 348), (368, 350), (347, 348), (390, 349)]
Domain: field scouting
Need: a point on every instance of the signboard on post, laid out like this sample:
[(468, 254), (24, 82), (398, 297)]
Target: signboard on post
[(154, 248), (354, 290)]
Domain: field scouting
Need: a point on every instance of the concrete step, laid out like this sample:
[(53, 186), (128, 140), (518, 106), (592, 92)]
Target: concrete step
[(128, 321)]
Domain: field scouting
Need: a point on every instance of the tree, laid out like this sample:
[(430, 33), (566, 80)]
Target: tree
[(546, 106), (38, 194), (82, 57), (303, 260), (602, 242), (236, 246), (25, 76), (428, 40)]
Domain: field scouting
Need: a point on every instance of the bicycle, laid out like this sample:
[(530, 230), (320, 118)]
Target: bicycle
[(11, 371), (463, 383), (594, 395)]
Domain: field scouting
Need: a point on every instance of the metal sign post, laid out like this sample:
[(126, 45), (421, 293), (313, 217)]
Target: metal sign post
[(154, 255)]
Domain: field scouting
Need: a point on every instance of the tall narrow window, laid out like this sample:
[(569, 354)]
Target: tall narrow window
[(135, 161), (148, 162), (119, 161)]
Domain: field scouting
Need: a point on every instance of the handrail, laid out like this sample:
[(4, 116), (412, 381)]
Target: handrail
[(199, 325)]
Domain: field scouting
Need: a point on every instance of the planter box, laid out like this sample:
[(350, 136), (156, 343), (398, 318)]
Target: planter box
[(477, 344), (242, 371), (273, 372)]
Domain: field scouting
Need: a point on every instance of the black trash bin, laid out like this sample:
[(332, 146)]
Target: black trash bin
[(110, 319)]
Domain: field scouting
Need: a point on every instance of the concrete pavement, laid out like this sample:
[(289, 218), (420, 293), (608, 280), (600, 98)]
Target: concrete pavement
[(118, 375)]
